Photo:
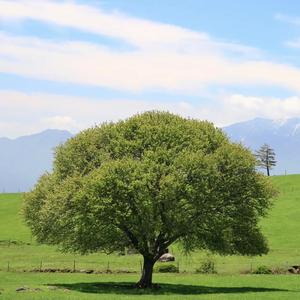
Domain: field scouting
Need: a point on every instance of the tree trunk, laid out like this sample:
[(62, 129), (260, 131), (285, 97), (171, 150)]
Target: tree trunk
[(146, 278), (268, 171)]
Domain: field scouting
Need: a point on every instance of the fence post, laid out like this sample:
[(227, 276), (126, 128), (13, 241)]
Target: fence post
[(74, 266), (41, 265), (8, 267)]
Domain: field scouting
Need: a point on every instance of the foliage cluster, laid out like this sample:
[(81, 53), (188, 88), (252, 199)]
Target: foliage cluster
[(262, 270), (207, 267)]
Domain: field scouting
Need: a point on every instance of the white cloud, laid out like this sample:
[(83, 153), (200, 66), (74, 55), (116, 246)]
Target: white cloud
[(248, 107), (36, 112), (287, 19), (91, 64), (60, 122), (139, 32), (39, 111), (165, 56)]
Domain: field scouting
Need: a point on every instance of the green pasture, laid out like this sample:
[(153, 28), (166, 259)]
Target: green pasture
[(282, 227), (19, 252)]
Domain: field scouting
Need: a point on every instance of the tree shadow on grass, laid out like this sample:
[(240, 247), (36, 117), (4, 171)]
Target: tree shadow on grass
[(165, 288)]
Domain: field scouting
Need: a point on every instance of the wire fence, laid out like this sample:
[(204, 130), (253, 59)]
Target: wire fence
[(19, 256), (111, 266)]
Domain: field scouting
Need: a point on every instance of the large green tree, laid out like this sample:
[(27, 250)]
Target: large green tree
[(148, 182)]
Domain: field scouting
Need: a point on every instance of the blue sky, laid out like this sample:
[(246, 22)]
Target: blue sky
[(73, 64)]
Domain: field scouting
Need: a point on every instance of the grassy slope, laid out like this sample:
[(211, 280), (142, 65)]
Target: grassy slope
[(281, 227)]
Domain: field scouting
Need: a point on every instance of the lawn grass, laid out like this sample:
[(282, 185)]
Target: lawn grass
[(172, 286)]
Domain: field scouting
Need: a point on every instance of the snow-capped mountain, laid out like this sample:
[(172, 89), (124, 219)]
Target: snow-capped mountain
[(282, 135)]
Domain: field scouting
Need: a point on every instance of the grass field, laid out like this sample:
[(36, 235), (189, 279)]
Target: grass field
[(179, 286), (18, 251)]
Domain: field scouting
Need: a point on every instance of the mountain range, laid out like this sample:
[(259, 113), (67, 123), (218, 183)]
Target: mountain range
[(23, 160)]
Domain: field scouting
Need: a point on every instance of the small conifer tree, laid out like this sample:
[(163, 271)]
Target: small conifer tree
[(266, 158)]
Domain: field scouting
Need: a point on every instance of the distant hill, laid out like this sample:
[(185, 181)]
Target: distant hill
[(25, 159), (282, 135)]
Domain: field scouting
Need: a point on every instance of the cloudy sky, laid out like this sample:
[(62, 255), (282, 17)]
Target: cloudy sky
[(74, 64)]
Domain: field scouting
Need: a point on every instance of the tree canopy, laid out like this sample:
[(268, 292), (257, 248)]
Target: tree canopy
[(147, 182)]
